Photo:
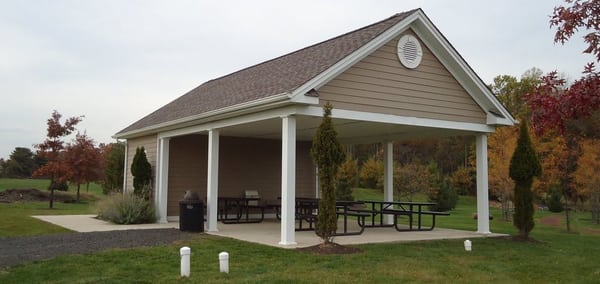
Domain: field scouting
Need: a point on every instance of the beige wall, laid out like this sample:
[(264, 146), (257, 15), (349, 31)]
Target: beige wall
[(381, 84), (149, 143), (244, 164)]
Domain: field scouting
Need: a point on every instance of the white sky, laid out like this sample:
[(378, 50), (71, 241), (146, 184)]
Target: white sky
[(115, 61)]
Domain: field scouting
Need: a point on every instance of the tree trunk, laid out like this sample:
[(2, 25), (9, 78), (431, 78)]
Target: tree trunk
[(78, 187), (51, 198), (567, 209), (505, 209), (51, 205)]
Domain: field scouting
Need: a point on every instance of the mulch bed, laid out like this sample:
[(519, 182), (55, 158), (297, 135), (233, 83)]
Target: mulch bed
[(32, 194), (331, 248)]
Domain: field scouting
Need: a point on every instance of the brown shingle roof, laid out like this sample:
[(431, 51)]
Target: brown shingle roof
[(277, 76)]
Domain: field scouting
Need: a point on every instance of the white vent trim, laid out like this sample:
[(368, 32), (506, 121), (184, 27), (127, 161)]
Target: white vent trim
[(409, 52)]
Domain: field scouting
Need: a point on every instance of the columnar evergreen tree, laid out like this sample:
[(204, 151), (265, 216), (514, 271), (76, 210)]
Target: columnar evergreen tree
[(114, 156), (142, 173), (328, 154), (524, 166)]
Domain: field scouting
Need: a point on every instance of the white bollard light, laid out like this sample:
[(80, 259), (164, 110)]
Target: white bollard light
[(468, 245), (224, 262), (185, 253)]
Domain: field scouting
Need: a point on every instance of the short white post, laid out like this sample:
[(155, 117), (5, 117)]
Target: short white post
[(185, 253), (224, 262), (468, 245)]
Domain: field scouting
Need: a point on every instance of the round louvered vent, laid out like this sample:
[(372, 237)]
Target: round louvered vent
[(409, 51)]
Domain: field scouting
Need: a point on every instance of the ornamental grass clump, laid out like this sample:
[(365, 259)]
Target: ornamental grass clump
[(126, 208)]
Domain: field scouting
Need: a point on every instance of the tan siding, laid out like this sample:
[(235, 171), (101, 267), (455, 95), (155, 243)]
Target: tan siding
[(149, 144), (244, 164), (379, 83), (188, 164)]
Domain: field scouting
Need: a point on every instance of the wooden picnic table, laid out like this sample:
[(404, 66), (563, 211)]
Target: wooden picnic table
[(399, 208)]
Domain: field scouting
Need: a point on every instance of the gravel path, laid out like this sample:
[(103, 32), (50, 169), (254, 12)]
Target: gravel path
[(19, 250)]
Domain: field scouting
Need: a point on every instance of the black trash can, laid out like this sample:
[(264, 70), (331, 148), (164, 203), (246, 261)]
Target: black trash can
[(191, 213)]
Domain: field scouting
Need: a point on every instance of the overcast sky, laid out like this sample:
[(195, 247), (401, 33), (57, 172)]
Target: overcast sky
[(116, 61)]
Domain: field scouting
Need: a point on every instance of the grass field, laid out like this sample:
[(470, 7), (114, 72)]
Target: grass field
[(556, 257), (42, 184), (16, 217)]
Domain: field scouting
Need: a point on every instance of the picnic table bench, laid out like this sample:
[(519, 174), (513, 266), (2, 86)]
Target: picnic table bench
[(235, 210), (398, 209)]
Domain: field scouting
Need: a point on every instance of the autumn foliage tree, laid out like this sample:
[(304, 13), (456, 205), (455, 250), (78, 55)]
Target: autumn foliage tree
[(84, 161), (501, 145), (558, 107), (328, 154), (52, 149), (587, 178), (410, 179)]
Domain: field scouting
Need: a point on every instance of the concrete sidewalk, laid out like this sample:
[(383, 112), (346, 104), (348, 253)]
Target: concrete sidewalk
[(89, 223), (269, 231)]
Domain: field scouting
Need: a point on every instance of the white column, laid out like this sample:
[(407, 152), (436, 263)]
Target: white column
[(288, 180), (162, 180), (212, 184), (483, 209), (388, 176), (126, 166)]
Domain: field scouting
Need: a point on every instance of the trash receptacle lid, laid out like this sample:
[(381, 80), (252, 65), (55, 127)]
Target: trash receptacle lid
[(191, 195)]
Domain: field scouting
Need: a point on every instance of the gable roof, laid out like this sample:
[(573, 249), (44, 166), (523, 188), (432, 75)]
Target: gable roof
[(278, 76), (293, 76)]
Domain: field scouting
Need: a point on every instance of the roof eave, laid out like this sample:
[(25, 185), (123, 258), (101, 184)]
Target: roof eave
[(222, 113)]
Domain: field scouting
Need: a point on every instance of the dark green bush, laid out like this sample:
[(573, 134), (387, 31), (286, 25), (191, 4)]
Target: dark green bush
[(142, 174), (60, 186), (126, 208), (445, 197), (554, 201), (343, 190)]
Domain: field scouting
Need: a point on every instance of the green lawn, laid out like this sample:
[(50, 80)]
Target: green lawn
[(42, 184), (16, 217), (557, 257)]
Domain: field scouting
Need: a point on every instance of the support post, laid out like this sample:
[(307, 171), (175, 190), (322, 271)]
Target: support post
[(212, 184), (483, 209), (388, 176), (288, 180), (162, 181)]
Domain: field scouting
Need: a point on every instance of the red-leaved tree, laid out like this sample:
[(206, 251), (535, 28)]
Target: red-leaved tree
[(560, 108), (84, 161), (52, 150)]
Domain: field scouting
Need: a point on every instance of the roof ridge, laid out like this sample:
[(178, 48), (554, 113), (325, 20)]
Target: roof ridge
[(402, 14)]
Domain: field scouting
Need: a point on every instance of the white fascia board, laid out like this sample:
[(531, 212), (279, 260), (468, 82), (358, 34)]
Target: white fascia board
[(211, 115), (358, 55), (494, 120), (237, 120), (395, 119), (463, 73)]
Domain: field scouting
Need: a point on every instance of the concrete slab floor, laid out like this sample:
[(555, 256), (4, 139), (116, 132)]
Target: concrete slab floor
[(269, 231)]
